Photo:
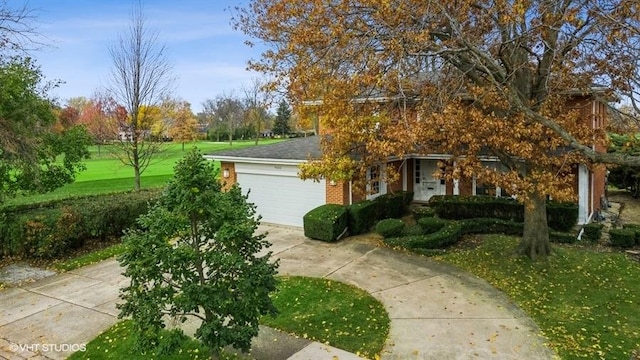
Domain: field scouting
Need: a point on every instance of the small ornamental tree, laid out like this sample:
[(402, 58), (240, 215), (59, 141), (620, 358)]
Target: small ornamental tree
[(196, 256)]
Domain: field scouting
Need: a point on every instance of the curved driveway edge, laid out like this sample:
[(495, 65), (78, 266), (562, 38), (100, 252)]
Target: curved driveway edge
[(436, 310)]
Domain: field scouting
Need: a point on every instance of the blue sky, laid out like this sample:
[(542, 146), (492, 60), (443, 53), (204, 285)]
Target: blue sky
[(208, 57)]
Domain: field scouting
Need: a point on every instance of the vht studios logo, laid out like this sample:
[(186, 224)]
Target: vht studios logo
[(47, 347)]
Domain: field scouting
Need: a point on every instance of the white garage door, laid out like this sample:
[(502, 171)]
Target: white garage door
[(279, 195)]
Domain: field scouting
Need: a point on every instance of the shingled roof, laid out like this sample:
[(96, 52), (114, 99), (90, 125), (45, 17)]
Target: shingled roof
[(293, 149)]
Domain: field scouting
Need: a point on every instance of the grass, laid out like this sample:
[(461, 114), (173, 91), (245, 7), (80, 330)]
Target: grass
[(89, 258), (584, 301), (105, 174), (118, 343), (330, 312), (323, 310)]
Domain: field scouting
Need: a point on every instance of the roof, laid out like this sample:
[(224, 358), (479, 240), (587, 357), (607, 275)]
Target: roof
[(296, 150)]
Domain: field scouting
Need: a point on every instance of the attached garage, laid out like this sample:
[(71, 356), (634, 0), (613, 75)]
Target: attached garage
[(270, 174), (279, 195)]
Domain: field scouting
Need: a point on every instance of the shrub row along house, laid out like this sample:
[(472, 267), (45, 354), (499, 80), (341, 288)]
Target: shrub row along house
[(271, 173)]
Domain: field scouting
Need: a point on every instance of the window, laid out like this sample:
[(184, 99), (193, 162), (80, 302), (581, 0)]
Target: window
[(417, 174), (374, 180)]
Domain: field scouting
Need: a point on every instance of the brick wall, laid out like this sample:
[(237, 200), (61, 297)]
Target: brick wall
[(232, 179), (396, 185), (338, 193), (599, 184)]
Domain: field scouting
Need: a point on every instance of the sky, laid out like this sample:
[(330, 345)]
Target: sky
[(209, 58)]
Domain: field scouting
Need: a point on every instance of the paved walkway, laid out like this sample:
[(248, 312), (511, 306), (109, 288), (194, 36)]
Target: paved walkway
[(436, 311)]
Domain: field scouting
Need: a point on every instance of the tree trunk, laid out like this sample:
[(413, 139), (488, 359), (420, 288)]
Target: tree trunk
[(136, 168), (535, 239)]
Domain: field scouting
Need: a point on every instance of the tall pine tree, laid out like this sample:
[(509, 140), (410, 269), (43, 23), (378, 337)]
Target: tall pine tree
[(281, 125)]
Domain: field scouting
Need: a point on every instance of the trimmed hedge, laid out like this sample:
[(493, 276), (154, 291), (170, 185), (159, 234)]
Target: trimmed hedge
[(562, 237), (451, 232), (410, 230), (430, 225), (420, 212), (448, 235), (362, 216), (390, 227), (622, 237), (326, 222), (393, 205), (49, 229), (592, 232), (636, 228), (492, 226), (458, 207), (560, 216)]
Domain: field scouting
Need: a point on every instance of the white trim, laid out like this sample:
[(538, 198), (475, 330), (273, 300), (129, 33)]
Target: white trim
[(254, 160), (593, 117), (473, 186), (404, 174), (591, 191), (382, 184), (583, 194)]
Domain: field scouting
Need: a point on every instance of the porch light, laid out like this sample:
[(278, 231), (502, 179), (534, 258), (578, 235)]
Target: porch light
[(225, 173)]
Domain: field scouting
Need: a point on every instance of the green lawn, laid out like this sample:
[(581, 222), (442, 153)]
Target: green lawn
[(331, 312), (105, 174), (585, 301), (323, 310)]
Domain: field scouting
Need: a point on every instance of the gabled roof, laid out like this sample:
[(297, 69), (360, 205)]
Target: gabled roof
[(294, 150)]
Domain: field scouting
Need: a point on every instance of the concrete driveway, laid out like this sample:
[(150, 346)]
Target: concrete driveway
[(436, 311)]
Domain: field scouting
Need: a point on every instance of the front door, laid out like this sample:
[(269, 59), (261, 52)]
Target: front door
[(426, 183)]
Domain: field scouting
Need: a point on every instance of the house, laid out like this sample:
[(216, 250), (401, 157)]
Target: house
[(270, 172)]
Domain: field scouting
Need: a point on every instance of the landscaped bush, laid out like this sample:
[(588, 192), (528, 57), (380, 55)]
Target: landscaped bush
[(492, 226), (390, 227), (560, 216), (420, 212), (326, 222), (408, 199), (448, 235), (47, 230), (458, 207), (440, 233), (410, 230), (592, 232), (51, 232), (636, 228), (562, 237), (622, 237), (114, 214), (393, 205), (362, 216), (430, 225)]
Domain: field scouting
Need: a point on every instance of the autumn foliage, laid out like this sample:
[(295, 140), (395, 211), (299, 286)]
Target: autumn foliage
[(473, 79)]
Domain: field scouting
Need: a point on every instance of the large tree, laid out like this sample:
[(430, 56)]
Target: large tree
[(101, 115), (141, 78), (198, 257), (34, 157), (256, 101), (497, 78), (225, 114), (183, 125)]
